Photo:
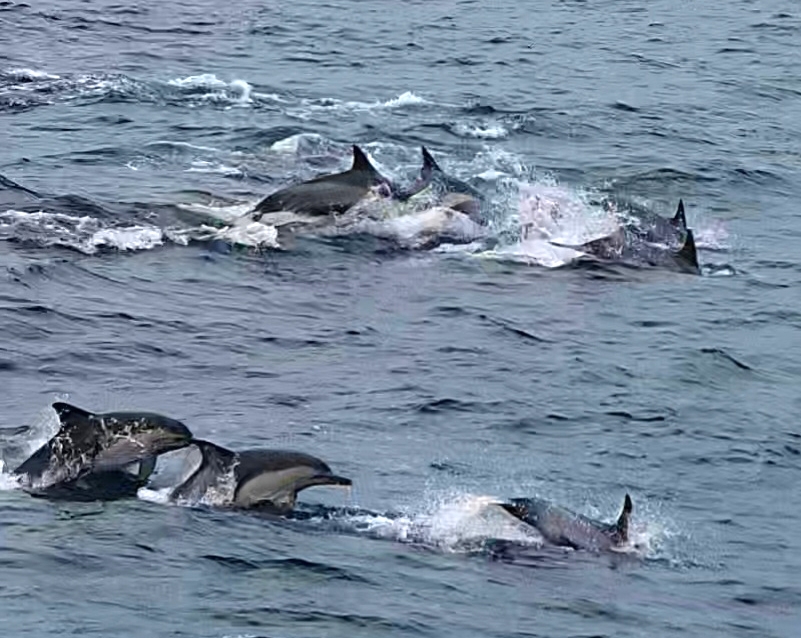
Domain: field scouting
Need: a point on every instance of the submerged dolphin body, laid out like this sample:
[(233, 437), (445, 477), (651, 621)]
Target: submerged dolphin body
[(326, 194), (112, 452), (257, 478), (448, 191), (656, 241), (562, 527)]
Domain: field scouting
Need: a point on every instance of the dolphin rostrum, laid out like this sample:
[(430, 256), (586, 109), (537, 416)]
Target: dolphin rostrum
[(256, 478), (88, 446), (560, 526), (327, 194)]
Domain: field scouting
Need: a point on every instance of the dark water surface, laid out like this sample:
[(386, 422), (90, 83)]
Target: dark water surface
[(429, 377)]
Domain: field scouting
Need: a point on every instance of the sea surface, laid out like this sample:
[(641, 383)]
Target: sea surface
[(437, 377)]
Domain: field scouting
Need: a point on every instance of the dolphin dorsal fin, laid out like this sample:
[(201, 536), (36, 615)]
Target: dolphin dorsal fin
[(360, 161), (214, 466), (622, 524), (212, 451), (70, 415), (688, 252), (679, 219), (429, 163)]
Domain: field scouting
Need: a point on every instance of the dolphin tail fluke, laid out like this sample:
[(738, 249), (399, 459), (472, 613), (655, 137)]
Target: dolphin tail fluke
[(622, 524), (688, 253), (679, 219)]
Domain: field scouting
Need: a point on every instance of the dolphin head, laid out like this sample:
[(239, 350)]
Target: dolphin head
[(272, 478)]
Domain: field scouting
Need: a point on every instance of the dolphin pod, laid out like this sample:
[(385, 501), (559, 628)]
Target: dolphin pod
[(262, 478), (642, 238), (112, 455)]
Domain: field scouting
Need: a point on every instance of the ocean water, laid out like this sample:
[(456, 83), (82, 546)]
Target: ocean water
[(437, 378)]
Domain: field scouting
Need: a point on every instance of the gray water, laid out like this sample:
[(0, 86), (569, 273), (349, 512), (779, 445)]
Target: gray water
[(431, 378)]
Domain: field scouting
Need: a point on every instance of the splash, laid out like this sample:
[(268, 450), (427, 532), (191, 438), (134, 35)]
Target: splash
[(485, 131), (420, 229), (231, 224), (28, 75), (131, 238), (84, 233), (452, 523)]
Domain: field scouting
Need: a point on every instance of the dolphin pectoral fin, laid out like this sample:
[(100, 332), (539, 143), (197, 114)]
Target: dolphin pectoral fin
[(679, 220), (688, 255), (621, 530)]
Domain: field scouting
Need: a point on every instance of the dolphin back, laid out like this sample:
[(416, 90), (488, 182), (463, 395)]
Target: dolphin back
[(326, 194)]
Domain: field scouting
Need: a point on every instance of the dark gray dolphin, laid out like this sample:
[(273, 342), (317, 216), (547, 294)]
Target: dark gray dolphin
[(650, 248), (89, 445), (327, 194), (653, 228), (647, 225), (449, 191), (256, 478), (560, 526)]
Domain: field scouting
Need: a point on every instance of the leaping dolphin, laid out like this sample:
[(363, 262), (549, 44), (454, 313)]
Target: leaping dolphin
[(327, 194), (256, 478), (449, 191), (560, 526), (93, 449)]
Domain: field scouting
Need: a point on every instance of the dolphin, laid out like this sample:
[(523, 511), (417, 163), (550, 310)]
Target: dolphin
[(452, 192), (327, 194), (448, 191), (560, 526), (618, 247), (257, 478), (92, 450), (653, 228), (667, 244)]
